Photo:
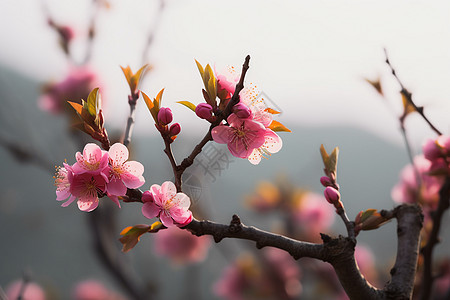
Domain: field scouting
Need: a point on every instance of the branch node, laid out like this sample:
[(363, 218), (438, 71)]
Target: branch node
[(325, 238), (235, 224)]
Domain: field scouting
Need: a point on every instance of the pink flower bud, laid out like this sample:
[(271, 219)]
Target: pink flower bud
[(431, 150), (242, 111), (165, 116), (332, 195), (325, 181), (204, 111), (175, 129)]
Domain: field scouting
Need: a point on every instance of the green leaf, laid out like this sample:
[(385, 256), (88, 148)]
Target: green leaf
[(92, 103), (188, 104), (330, 161), (200, 68), (132, 234)]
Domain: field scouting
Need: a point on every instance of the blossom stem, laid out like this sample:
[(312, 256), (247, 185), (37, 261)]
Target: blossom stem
[(348, 224), (130, 124), (178, 170)]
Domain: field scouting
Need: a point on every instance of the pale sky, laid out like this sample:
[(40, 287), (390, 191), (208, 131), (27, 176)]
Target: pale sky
[(309, 57)]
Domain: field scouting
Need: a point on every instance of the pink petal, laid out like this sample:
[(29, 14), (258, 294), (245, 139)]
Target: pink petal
[(71, 199), (133, 167), (92, 153), (116, 187), (220, 134), (114, 199), (118, 154), (147, 197), (150, 210), (255, 157), (63, 194), (181, 216), (234, 120), (239, 149), (168, 190), (88, 204), (182, 200), (273, 142), (166, 220), (131, 181)]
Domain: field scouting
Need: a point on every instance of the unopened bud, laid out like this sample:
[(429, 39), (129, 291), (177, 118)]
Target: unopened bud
[(204, 111), (332, 195), (175, 129), (325, 181), (242, 111), (165, 116)]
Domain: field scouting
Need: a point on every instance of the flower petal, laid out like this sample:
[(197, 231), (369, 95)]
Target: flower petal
[(221, 134), (150, 210), (116, 187), (71, 199), (166, 219), (168, 190), (182, 200), (118, 154), (87, 204), (147, 197), (273, 142), (114, 199), (255, 157)]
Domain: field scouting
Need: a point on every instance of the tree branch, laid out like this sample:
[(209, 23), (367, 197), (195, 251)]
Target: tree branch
[(433, 239), (409, 219), (408, 96)]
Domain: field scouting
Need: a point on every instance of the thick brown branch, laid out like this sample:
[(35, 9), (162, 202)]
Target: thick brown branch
[(262, 238), (339, 252), (409, 218)]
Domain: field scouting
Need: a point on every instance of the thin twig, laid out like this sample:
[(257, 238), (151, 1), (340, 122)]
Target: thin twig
[(130, 124), (408, 96), (152, 31), (188, 161)]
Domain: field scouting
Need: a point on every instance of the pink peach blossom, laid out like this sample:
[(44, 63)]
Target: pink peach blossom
[(123, 174), (62, 184), (227, 79), (181, 246), (275, 276), (164, 202), (93, 161), (76, 86), (86, 188), (313, 215), (272, 144), (32, 291), (408, 189), (241, 137), (92, 289)]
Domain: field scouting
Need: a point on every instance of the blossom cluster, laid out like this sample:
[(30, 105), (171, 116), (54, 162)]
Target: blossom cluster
[(248, 133), (97, 173), (421, 182)]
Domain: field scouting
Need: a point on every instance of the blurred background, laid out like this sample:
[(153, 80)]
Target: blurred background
[(311, 60)]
